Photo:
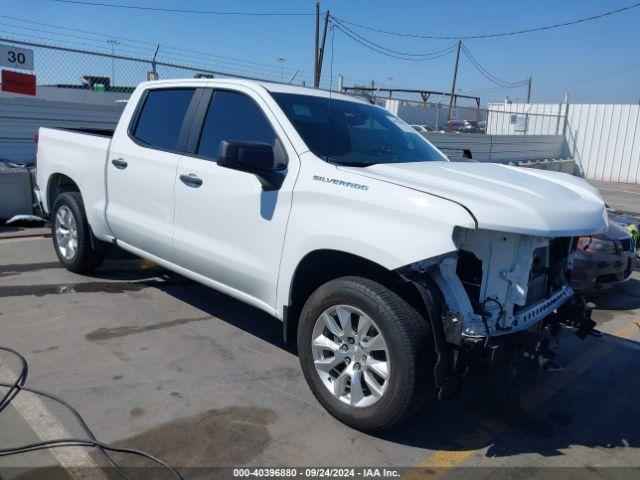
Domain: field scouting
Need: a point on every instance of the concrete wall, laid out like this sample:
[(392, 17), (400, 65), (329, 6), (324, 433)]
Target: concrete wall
[(15, 192), (499, 148)]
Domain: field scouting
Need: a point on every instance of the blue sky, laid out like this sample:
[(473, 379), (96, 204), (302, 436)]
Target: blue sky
[(595, 62)]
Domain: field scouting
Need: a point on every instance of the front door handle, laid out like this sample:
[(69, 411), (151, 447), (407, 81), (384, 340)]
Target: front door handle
[(119, 163), (191, 180)]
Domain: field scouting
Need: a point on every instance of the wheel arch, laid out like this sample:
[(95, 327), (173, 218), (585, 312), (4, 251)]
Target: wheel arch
[(57, 184), (320, 266)]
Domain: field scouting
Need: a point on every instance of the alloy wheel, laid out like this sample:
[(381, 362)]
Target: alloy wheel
[(66, 233), (351, 356)]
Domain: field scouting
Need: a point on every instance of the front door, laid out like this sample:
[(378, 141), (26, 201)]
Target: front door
[(227, 228)]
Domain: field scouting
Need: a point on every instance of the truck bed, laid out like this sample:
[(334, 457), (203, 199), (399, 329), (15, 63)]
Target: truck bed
[(81, 156)]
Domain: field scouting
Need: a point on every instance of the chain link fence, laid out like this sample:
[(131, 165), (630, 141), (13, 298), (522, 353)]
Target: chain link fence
[(94, 76)]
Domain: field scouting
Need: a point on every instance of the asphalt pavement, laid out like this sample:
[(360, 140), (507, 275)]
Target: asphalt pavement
[(620, 196), (155, 361)]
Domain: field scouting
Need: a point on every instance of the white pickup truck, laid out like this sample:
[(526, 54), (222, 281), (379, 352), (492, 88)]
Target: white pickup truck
[(393, 267)]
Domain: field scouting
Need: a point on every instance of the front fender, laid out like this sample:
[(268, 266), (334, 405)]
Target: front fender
[(387, 224)]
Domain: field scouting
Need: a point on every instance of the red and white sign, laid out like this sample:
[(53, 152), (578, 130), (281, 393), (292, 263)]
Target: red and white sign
[(16, 82)]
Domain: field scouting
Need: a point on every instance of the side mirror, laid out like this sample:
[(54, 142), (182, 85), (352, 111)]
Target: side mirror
[(253, 157)]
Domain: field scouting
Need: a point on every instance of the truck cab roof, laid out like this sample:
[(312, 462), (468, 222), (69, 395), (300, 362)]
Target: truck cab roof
[(268, 86)]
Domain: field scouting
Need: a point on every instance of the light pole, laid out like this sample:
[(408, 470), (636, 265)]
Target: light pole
[(281, 60), (390, 86), (113, 44)]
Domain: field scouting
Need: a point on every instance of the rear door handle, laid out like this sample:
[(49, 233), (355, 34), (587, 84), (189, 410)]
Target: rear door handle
[(191, 180), (119, 163)]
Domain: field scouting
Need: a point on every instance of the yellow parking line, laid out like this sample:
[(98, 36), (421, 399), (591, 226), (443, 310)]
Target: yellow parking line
[(437, 464)]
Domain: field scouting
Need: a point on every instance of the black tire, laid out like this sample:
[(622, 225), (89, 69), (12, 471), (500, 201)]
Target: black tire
[(90, 251), (409, 341)]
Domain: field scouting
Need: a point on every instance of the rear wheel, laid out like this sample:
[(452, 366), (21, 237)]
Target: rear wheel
[(365, 352), (77, 250)]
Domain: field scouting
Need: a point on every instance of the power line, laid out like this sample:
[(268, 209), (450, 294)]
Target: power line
[(489, 76), (489, 90), (179, 10), (499, 34), (382, 52), (397, 52)]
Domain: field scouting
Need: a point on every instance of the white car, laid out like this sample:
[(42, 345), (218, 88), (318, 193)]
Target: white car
[(393, 267), (420, 128)]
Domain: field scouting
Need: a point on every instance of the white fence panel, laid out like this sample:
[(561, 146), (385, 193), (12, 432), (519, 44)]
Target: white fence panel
[(603, 139)]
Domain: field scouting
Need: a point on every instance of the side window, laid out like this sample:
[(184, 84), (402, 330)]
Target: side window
[(233, 116), (161, 117)]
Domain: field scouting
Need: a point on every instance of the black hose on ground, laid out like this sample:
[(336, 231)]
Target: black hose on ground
[(19, 385)]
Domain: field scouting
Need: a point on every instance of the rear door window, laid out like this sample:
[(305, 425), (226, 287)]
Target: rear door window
[(162, 116)]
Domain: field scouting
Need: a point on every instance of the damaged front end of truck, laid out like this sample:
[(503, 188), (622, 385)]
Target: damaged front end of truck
[(498, 289)]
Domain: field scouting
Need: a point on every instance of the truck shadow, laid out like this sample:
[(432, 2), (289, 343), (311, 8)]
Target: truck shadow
[(232, 311), (594, 402)]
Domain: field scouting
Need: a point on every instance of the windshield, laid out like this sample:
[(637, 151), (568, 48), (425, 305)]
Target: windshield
[(353, 133)]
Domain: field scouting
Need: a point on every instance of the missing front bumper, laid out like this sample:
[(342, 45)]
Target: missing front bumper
[(539, 310)]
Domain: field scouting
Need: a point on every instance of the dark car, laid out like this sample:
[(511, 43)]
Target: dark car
[(602, 261), (631, 223)]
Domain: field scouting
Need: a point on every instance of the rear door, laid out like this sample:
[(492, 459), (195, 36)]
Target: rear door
[(141, 169), (227, 228)]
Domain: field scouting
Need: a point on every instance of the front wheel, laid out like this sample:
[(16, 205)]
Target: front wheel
[(72, 237), (365, 352)]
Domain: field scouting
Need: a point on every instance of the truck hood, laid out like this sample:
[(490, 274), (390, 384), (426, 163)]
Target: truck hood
[(504, 198)]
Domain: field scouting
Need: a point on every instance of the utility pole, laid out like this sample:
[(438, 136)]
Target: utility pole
[(317, 39), (453, 84), (529, 91), (321, 49)]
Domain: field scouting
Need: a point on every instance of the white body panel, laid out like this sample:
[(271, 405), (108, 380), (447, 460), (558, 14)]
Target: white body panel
[(389, 225), (233, 236), (209, 282), (505, 198), (140, 205), (81, 157), (230, 229)]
